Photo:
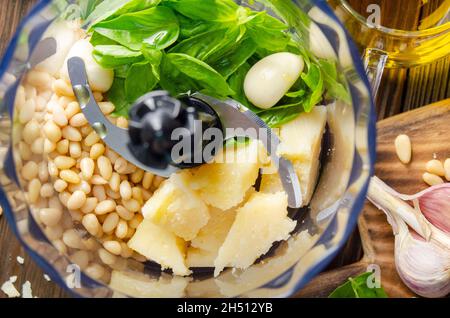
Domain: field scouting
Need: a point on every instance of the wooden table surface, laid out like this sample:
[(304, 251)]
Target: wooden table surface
[(397, 97)]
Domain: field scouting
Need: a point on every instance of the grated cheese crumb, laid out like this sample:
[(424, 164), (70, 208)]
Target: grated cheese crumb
[(9, 289), (26, 290), (20, 260), (47, 278)]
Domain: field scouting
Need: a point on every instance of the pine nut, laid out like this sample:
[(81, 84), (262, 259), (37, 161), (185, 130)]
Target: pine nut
[(435, 167), (137, 176), (39, 79), (60, 185), (124, 213), (130, 233), (114, 182), (106, 257), (89, 205), (146, 195), (120, 165), (86, 130), (98, 180), (49, 146), (126, 251), (78, 120), (64, 197), (76, 200), (98, 96), (46, 190), (432, 179), (447, 169), (50, 216), (59, 115), (403, 148), (61, 88), (64, 101), (72, 109), (30, 92), (157, 180), (52, 170), (147, 180), (82, 186), (99, 192), (121, 229), (113, 247), (69, 176), (31, 131), (106, 107), (97, 150), (110, 222), (52, 131), (54, 232), (95, 271), (75, 149), (60, 246), (37, 147), (30, 170), (91, 224), (105, 207), (122, 122), (43, 171), (34, 188), (80, 258), (125, 190), (63, 162), (137, 219), (20, 97), (87, 166), (62, 147), (104, 167), (72, 239), (27, 111), (137, 194), (72, 134), (111, 154), (91, 139), (113, 195)]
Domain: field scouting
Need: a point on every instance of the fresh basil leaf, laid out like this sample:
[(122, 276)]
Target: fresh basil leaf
[(279, 115), (110, 56), (200, 72), (122, 71), (155, 27), (116, 95), (313, 79), (174, 81), (140, 80), (300, 93), (154, 57), (204, 45), (190, 28), (333, 84), (206, 10), (98, 39), (230, 62), (268, 32), (357, 288), (87, 7), (109, 9)]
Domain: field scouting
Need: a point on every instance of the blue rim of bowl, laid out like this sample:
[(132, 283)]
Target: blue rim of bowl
[(354, 210)]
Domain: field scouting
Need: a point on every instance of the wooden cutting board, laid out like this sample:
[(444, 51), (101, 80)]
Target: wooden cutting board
[(429, 130)]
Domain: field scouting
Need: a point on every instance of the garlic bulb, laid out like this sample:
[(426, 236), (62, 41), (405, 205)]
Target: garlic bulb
[(422, 235)]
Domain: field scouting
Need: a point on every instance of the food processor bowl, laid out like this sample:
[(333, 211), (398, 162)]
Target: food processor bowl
[(347, 160)]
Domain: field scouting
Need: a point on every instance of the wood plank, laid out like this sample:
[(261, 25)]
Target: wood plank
[(428, 128)]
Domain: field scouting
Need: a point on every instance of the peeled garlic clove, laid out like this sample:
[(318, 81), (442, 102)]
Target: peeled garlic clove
[(271, 78), (100, 79), (319, 44)]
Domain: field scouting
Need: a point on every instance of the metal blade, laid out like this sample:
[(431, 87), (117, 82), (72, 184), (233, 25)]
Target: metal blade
[(116, 138)]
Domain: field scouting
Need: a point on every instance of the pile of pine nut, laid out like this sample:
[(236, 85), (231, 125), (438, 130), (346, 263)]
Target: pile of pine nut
[(71, 177), (436, 170)]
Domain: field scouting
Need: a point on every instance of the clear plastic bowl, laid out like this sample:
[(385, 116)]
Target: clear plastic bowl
[(323, 228)]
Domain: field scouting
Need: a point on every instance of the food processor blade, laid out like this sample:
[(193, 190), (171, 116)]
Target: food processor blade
[(236, 120)]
